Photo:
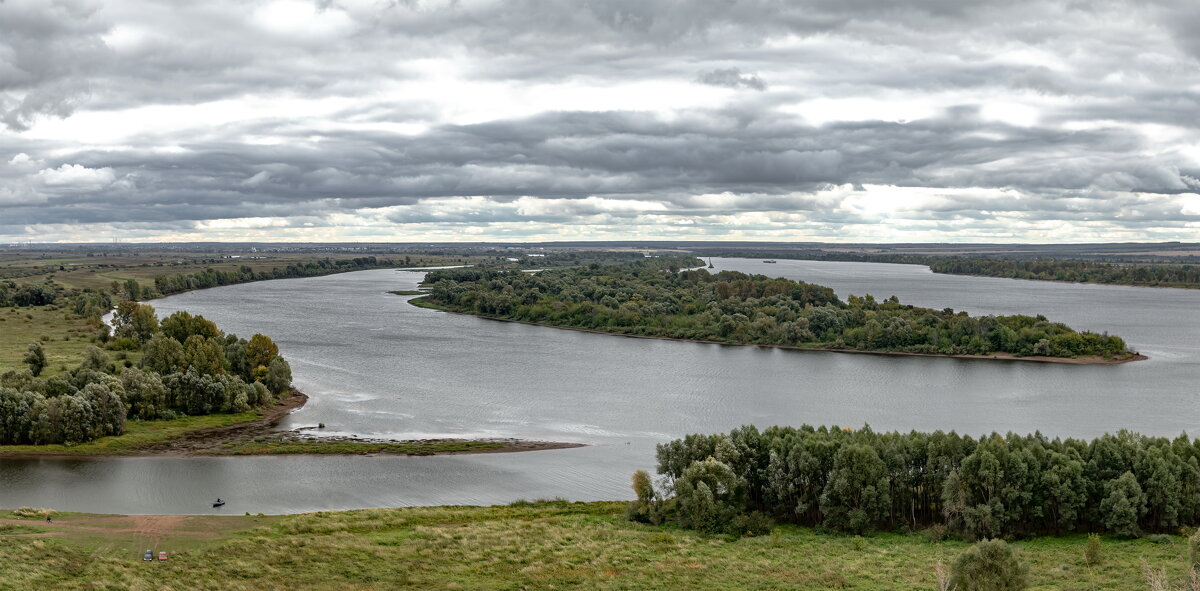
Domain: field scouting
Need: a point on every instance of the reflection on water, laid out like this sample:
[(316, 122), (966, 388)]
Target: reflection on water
[(377, 366)]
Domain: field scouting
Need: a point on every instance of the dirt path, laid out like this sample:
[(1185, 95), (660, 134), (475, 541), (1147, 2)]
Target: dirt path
[(155, 526)]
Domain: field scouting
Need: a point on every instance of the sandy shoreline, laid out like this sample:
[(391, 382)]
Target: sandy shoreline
[(1093, 360)]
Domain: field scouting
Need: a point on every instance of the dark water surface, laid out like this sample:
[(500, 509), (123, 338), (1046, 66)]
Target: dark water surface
[(376, 366)]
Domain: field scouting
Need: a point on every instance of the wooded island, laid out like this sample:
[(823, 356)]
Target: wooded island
[(662, 298)]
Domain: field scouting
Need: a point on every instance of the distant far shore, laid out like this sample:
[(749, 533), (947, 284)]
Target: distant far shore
[(1088, 360)]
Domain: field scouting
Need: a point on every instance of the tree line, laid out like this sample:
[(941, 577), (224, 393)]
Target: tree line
[(181, 282), (862, 481), (188, 367), (1073, 271), (654, 297), (1113, 269)]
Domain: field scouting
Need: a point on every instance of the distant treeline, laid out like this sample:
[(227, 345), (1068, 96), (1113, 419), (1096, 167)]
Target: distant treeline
[(188, 366), (651, 297), (1074, 271), (822, 255), (1115, 272), (861, 481), (181, 282)]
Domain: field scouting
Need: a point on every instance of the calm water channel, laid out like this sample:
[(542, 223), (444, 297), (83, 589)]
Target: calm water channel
[(376, 366)]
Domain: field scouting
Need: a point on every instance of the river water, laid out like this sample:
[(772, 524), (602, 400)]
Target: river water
[(375, 366)]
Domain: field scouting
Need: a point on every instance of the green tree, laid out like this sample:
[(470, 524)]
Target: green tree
[(644, 508), (708, 496), (163, 355), (990, 565), (194, 392), (260, 350), (144, 394), (35, 358), (279, 376), (236, 359), (134, 321), (1162, 488), (143, 323), (133, 291), (108, 410), (1064, 489), (856, 497), (205, 355), (1124, 505), (94, 359), (182, 325)]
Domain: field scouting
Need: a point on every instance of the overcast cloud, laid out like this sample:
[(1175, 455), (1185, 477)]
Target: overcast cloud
[(411, 120)]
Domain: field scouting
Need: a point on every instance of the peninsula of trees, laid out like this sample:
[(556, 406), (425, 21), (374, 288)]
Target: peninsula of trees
[(652, 297), (188, 367)]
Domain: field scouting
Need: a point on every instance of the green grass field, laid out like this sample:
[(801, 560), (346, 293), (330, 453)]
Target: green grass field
[(554, 545), (63, 335)]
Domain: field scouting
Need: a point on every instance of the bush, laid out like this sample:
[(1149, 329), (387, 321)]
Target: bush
[(122, 344), (1194, 550), (1092, 554), (31, 513), (990, 565), (646, 508), (1160, 539), (750, 525), (936, 533)]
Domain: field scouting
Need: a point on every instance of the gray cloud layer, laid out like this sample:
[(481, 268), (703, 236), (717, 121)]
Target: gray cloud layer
[(932, 117)]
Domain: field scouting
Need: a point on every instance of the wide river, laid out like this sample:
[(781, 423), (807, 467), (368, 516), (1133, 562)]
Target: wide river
[(375, 366)]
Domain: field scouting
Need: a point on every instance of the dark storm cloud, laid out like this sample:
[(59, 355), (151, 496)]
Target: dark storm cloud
[(1115, 86), (731, 78), (619, 155)]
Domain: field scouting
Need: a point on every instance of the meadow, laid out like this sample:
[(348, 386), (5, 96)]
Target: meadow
[(537, 545)]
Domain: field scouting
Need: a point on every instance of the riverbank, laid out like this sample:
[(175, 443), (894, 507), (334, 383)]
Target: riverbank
[(255, 433), (424, 302), (538, 545)]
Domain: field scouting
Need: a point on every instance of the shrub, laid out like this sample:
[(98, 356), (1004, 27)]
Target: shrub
[(1092, 553), (645, 508), (1160, 539), (1194, 550), (936, 533), (31, 513), (122, 344), (750, 525), (990, 565)]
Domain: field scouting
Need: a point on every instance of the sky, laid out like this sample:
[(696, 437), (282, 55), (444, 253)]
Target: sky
[(536, 120)]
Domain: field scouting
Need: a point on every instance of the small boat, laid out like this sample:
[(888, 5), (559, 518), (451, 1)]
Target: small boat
[(769, 261), (710, 262), (218, 503)]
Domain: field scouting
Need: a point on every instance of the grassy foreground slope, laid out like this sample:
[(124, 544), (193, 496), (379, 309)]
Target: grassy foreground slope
[(554, 545)]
